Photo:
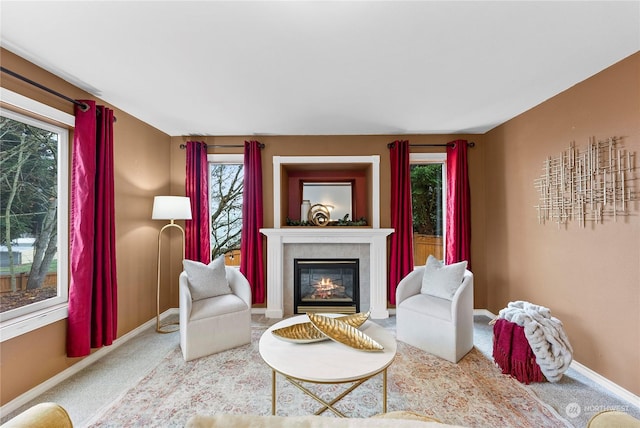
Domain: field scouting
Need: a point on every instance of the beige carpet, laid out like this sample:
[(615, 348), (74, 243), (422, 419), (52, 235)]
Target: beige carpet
[(471, 393)]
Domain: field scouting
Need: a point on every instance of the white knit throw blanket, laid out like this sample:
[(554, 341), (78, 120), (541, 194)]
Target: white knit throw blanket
[(545, 335)]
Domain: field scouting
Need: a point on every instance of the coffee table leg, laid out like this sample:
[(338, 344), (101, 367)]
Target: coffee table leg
[(273, 392), (384, 391)]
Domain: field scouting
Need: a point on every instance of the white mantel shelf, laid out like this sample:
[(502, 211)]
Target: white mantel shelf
[(375, 237), (346, 234)]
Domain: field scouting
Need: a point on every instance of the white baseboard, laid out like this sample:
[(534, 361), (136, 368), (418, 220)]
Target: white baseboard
[(606, 384), (33, 393), (484, 312)]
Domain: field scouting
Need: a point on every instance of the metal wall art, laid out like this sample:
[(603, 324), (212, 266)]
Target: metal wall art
[(588, 185)]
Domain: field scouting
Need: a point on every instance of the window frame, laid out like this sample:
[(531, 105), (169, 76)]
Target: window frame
[(228, 159), (435, 158), (31, 317)]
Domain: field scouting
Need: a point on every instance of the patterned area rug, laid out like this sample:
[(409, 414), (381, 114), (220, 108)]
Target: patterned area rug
[(471, 393)]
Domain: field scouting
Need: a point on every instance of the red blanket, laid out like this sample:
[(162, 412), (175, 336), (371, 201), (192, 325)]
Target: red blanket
[(512, 353)]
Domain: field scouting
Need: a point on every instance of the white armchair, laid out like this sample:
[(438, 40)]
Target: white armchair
[(436, 325), (216, 323)]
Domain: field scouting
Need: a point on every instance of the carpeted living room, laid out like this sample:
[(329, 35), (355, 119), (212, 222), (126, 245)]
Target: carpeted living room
[(533, 255), (164, 390)]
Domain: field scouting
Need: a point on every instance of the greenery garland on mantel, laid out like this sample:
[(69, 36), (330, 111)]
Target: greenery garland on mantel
[(341, 222)]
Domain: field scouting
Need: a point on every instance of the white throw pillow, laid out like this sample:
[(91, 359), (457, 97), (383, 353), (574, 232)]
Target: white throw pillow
[(207, 280), (442, 280)]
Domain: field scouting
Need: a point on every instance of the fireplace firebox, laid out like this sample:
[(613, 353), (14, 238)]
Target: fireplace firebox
[(326, 285)]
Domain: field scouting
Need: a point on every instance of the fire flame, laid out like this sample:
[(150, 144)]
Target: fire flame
[(325, 289)]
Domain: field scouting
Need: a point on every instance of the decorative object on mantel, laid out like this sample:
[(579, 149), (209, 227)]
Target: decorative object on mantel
[(304, 209), (319, 215), (341, 222), (306, 333), (587, 185)]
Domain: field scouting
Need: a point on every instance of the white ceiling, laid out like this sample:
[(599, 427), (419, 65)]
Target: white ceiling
[(320, 68)]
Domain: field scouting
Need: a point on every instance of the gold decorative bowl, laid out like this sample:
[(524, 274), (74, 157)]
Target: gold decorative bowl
[(307, 333), (342, 332)]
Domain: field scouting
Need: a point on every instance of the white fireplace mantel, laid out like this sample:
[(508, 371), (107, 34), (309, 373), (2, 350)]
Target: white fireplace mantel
[(376, 238)]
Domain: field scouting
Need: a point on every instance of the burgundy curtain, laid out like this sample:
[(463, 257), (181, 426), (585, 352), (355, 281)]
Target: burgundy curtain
[(458, 235), (401, 245), (93, 285), (251, 262), (197, 239)]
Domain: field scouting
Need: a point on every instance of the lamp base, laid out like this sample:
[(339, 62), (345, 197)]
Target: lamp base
[(168, 328)]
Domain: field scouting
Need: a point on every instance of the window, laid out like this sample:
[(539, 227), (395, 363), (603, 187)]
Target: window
[(225, 195), (33, 221), (428, 193)]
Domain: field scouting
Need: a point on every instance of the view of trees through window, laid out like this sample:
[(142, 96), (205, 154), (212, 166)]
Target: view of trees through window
[(29, 211), (426, 194), (225, 187)]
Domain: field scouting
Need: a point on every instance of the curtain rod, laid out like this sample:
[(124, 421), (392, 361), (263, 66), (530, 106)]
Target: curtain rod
[(260, 145), (83, 106), (469, 144)]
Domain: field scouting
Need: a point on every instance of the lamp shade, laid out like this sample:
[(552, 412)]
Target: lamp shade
[(171, 208)]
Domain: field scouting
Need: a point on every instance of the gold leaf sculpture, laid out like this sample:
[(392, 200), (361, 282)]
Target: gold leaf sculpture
[(307, 333), (343, 333)]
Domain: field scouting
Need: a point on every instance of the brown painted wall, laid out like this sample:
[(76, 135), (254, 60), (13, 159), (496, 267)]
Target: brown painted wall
[(589, 277), (141, 162)]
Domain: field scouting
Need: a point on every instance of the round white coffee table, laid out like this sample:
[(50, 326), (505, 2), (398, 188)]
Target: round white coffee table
[(326, 361)]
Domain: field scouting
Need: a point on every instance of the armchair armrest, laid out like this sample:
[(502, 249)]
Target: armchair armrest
[(410, 285), (239, 284), (185, 298), (462, 301), (41, 415)]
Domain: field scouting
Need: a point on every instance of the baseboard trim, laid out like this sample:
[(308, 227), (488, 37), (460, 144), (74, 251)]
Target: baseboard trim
[(484, 312), (614, 388), (34, 392)]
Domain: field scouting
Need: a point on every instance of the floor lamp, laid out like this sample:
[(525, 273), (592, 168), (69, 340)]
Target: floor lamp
[(169, 208)]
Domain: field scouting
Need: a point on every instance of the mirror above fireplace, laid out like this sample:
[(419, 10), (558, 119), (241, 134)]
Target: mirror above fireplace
[(337, 197)]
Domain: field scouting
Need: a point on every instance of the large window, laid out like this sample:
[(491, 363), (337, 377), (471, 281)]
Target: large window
[(33, 216), (225, 195), (428, 195)]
